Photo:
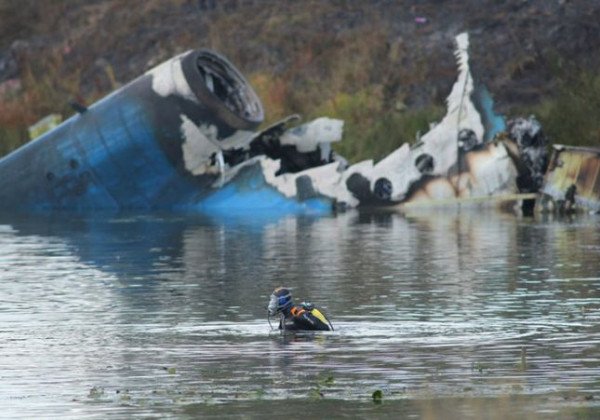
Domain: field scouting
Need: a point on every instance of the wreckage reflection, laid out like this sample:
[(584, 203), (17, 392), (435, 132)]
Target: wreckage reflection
[(223, 268), (149, 254)]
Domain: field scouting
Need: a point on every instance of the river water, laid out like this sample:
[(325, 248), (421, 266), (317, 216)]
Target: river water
[(462, 314)]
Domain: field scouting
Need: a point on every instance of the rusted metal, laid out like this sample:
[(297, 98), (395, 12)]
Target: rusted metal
[(572, 181)]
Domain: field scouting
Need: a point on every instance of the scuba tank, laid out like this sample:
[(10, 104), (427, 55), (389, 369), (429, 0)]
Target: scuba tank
[(296, 317)]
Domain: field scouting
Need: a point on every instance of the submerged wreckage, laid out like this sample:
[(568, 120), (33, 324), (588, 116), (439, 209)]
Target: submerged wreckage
[(183, 137)]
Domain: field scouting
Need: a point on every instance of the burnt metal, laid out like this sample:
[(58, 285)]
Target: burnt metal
[(467, 139), (572, 181), (532, 161), (360, 187), (383, 189), (125, 151)]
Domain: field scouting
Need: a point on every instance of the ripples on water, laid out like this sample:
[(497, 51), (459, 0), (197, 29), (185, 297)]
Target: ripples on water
[(160, 315)]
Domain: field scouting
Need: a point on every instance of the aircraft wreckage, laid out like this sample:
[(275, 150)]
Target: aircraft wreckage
[(184, 136)]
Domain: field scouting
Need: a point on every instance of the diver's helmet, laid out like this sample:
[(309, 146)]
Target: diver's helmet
[(281, 298)]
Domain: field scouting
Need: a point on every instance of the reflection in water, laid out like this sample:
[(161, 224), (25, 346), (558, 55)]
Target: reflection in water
[(170, 310)]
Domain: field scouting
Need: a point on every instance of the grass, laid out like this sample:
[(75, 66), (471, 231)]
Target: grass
[(11, 138), (373, 126), (572, 115), (360, 73), (387, 132)]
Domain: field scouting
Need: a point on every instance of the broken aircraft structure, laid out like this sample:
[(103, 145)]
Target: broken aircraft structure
[(470, 155), (183, 137), (572, 181)]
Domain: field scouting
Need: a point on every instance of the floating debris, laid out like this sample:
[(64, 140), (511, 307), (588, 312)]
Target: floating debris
[(45, 124), (170, 370), (96, 392), (572, 181), (523, 366), (377, 396)]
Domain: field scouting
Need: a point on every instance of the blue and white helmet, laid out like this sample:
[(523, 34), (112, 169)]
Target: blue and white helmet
[(281, 298)]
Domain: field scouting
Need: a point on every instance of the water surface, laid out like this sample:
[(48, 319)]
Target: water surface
[(447, 313)]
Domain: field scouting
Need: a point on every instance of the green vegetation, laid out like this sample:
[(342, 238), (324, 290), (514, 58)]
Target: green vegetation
[(387, 80), (96, 392), (372, 128), (377, 396), (323, 382), (479, 366), (571, 117), (45, 88)]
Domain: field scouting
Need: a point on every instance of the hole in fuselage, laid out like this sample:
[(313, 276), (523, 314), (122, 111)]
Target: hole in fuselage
[(383, 189), (224, 82), (424, 163)]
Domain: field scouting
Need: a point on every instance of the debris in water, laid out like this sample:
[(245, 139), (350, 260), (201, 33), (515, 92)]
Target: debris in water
[(572, 181), (523, 366), (377, 396), (96, 392)]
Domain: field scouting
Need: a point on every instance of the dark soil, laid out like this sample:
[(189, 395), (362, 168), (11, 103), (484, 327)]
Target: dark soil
[(521, 49)]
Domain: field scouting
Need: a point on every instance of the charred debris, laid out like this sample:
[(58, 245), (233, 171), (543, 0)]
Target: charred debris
[(184, 137)]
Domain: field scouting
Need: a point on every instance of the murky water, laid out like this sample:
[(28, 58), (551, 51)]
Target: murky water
[(444, 312)]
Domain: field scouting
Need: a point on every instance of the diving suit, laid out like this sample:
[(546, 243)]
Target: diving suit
[(302, 317)]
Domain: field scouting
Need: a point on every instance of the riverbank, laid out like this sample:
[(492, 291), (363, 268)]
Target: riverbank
[(383, 66)]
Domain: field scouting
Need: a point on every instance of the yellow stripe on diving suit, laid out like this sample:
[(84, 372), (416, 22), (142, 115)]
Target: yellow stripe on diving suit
[(317, 314)]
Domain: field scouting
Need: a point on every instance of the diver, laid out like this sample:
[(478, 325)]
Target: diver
[(296, 317)]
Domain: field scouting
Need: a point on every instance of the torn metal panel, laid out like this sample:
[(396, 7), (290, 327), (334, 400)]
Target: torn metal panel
[(438, 153), (250, 189), (297, 162), (299, 148), (463, 156), (182, 137), (528, 147), (572, 180), (157, 142), (317, 133), (442, 140), (444, 154), (153, 143)]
